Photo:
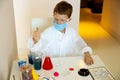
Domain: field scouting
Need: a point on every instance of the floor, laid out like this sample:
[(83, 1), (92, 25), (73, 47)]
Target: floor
[(102, 43)]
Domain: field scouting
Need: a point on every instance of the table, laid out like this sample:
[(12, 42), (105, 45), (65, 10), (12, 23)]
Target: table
[(62, 65)]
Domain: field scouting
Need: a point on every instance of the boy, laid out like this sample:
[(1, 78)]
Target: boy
[(59, 39)]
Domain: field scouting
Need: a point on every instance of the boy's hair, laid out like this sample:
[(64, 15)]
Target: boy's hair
[(63, 8)]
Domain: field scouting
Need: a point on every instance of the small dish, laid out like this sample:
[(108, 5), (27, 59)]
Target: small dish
[(83, 72)]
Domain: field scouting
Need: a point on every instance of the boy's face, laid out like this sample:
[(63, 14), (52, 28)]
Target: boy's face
[(61, 19)]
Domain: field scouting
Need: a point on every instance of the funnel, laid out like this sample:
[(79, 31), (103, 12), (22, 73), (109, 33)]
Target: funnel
[(47, 64)]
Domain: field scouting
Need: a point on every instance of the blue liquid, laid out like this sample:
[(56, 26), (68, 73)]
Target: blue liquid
[(30, 59), (21, 63), (37, 63)]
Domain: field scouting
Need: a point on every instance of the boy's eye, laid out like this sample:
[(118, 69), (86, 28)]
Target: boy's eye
[(60, 20), (63, 20), (56, 19)]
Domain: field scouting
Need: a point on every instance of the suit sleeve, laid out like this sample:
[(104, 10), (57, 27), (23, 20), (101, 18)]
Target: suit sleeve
[(82, 45)]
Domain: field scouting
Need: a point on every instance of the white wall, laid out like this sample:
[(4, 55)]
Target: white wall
[(111, 23), (111, 17), (25, 10), (8, 47)]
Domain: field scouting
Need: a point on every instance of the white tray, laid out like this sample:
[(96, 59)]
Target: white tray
[(100, 73)]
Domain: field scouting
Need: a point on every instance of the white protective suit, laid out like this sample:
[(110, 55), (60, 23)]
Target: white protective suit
[(54, 43)]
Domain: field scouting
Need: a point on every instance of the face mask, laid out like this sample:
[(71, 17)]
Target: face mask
[(60, 27)]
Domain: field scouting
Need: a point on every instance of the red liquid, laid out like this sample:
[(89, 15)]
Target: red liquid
[(47, 65)]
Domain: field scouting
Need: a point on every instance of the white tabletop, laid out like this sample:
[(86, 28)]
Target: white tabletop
[(62, 65)]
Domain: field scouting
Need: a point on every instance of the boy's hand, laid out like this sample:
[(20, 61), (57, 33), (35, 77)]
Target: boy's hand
[(88, 59), (36, 36)]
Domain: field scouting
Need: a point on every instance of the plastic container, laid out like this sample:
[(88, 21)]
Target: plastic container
[(26, 72), (47, 64), (37, 63)]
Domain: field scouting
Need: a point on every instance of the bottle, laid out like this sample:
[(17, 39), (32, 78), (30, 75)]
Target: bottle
[(26, 72), (37, 63), (47, 65), (30, 58)]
